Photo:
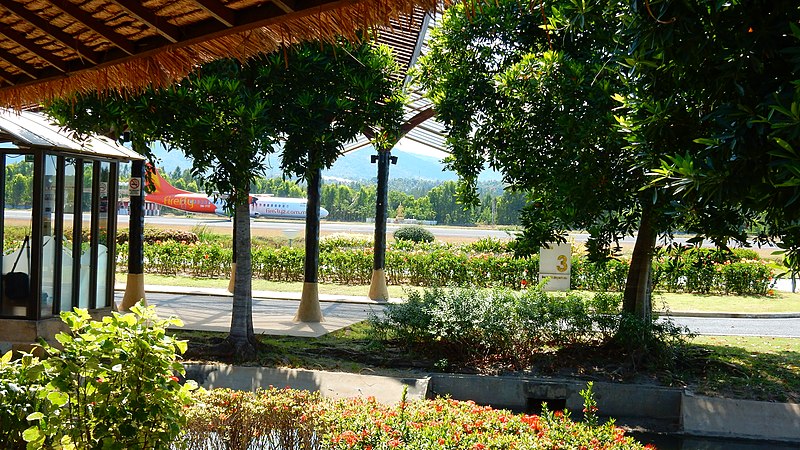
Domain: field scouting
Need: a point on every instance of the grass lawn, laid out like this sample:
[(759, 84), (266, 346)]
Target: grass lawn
[(761, 368), (780, 302)]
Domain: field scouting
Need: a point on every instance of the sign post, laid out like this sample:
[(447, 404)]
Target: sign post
[(555, 263)]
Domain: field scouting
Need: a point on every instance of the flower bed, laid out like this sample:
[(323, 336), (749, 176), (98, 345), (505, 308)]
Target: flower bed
[(291, 419)]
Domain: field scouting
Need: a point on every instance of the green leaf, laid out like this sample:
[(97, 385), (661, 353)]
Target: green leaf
[(32, 434), (57, 398), (34, 416)]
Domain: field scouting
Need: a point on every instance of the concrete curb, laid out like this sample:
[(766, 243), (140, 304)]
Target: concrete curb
[(653, 408), (723, 417), (330, 384)]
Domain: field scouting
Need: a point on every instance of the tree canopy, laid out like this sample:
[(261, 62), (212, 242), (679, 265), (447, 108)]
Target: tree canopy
[(600, 109)]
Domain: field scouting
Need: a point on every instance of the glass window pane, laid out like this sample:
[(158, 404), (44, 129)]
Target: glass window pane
[(86, 222), (102, 253), (67, 265), (49, 241), (17, 225)]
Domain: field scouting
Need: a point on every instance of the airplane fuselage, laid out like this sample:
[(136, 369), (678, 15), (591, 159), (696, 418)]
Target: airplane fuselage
[(264, 206), (189, 202)]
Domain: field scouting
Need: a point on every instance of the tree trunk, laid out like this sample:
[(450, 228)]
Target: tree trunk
[(637, 299), (241, 336), (309, 309)]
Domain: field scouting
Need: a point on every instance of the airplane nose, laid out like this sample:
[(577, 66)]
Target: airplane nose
[(323, 213)]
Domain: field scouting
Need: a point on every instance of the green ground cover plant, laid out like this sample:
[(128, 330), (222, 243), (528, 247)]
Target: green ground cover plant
[(110, 384)]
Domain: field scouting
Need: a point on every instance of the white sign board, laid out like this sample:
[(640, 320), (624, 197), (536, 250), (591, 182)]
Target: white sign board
[(555, 263), (135, 187)]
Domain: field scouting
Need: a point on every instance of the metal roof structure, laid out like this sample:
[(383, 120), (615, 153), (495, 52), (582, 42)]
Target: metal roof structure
[(29, 130), (408, 38), (51, 48)]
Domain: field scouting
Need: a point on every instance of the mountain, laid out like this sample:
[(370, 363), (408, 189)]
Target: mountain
[(355, 166)]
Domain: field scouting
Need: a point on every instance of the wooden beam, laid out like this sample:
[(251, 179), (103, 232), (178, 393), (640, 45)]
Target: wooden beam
[(97, 26), (287, 6), (52, 31), (15, 61), (218, 11), (146, 16), (23, 41), (415, 121)]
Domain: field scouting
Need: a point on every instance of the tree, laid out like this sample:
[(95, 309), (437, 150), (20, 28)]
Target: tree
[(227, 135), (736, 66), (533, 90), (323, 96)]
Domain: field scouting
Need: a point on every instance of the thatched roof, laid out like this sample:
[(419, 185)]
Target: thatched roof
[(50, 48)]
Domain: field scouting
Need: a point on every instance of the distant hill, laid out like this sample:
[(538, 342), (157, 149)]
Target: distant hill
[(355, 166)]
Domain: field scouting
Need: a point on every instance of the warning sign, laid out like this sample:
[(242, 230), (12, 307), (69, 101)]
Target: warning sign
[(135, 187)]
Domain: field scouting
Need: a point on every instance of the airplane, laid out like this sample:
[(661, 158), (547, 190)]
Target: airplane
[(260, 206)]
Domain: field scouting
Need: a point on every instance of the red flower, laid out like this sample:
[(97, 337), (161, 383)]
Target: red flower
[(394, 443)]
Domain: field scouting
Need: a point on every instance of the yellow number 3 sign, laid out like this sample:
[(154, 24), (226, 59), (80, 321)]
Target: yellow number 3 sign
[(562, 263)]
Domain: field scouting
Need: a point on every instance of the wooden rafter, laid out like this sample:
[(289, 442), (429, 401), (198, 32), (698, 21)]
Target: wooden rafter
[(146, 16), (219, 11), (286, 5), (23, 66), (96, 26), (54, 32), (32, 47)]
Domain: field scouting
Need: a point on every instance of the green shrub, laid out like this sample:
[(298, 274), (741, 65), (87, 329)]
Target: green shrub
[(225, 419), (746, 253), (113, 384), (488, 245), (413, 233), (155, 235), (348, 259), (343, 241), (20, 383), (465, 325), (746, 277)]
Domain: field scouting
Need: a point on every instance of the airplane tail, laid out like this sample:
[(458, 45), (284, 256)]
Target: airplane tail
[(159, 185)]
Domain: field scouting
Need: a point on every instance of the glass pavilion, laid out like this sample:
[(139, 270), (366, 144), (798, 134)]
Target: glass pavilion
[(58, 198)]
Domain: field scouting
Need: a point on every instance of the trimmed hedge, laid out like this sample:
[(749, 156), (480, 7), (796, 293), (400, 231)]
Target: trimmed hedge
[(350, 262)]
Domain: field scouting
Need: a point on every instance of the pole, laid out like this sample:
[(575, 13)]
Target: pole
[(134, 289), (377, 288)]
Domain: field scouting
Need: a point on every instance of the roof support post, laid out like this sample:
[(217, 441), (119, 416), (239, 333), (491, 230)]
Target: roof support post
[(134, 289), (377, 288)]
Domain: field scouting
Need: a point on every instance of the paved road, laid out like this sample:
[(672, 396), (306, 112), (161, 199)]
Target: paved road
[(218, 307), (741, 327)]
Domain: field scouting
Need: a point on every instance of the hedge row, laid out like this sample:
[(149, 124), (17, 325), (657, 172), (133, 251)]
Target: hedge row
[(347, 261)]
